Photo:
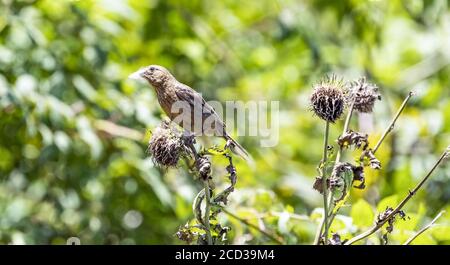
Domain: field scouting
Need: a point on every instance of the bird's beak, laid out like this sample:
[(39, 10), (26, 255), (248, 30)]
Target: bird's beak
[(138, 75)]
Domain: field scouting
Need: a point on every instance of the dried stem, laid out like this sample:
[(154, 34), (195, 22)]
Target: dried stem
[(324, 187), (380, 141), (244, 221), (425, 228), (207, 210), (338, 158), (392, 124), (380, 224), (189, 141), (346, 125)]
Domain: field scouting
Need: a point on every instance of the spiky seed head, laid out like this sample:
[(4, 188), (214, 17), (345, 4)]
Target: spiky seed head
[(166, 145), (364, 94), (328, 99)]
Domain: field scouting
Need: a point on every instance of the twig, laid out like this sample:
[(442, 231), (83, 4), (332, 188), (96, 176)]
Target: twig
[(425, 228), (392, 124), (324, 187), (380, 223), (267, 234), (207, 207)]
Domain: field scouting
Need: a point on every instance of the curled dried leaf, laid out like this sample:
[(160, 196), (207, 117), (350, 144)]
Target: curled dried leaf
[(203, 166), (372, 160), (382, 216), (390, 221), (358, 175), (185, 234), (341, 180), (232, 176), (318, 184), (335, 240), (350, 138)]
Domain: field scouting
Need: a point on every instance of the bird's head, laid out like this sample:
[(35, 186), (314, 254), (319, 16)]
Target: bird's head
[(156, 75)]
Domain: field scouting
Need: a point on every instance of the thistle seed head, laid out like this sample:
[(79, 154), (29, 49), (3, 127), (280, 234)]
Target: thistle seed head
[(328, 100), (166, 145), (364, 94)]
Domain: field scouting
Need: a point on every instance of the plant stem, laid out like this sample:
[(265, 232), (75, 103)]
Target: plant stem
[(324, 187), (338, 158), (207, 209), (380, 141), (391, 125), (267, 234), (425, 228), (379, 224), (346, 125)]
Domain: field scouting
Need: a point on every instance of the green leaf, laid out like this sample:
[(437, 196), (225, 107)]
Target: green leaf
[(362, 214)]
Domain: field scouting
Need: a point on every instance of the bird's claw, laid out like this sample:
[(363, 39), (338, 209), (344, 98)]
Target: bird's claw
[(189, 137), (228, 145)]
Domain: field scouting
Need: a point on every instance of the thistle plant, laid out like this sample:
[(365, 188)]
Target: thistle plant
[(328, 103), (167, 146), (329, 99)]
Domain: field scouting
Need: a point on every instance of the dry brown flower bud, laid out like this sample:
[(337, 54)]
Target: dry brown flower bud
[(328, 99), (166, 145), (364, 94)]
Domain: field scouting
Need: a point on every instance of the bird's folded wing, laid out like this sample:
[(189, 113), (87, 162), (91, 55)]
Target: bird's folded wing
[(192, 97)]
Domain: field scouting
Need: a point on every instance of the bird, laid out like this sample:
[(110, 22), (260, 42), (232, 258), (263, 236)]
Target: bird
[(186, 107)]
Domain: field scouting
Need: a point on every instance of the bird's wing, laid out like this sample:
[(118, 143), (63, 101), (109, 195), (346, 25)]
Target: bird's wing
[(187, 94)]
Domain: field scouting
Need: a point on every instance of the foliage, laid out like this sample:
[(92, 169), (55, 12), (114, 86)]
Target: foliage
[(73, 129)]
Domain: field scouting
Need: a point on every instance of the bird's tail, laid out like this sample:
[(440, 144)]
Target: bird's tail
[(236, 148)]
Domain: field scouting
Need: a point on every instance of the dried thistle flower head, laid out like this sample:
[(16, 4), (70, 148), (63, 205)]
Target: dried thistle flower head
[(166, 145), (328, 100), (364, 94)]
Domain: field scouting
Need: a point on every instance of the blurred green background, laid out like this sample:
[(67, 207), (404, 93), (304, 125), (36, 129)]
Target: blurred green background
[(74, 130)]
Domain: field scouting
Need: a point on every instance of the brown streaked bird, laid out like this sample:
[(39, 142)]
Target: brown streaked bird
[(186, 107)]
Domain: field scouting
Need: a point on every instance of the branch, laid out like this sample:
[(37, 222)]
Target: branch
[(267, 234), (392, 124), (379, 224), (425, 228)]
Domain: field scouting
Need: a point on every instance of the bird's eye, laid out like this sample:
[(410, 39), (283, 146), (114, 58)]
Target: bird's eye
[(152, 68)]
